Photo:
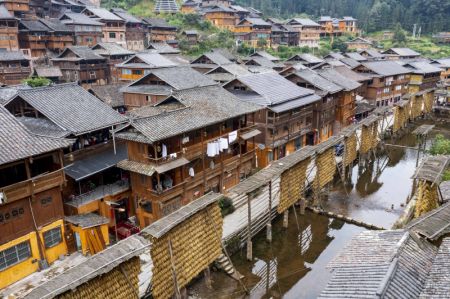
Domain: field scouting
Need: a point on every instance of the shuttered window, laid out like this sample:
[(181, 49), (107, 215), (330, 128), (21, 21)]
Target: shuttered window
[(14, 255), (52, 237)]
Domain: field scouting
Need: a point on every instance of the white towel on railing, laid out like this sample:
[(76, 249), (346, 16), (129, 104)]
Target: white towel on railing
[(223, 144), (232, 136), (164, 151), (191, 172), (211, 149)]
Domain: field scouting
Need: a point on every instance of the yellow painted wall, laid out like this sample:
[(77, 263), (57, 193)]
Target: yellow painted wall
[(17, 272), (53, 253)]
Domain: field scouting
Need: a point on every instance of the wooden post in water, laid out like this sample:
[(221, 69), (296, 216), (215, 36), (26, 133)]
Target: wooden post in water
[(249, 230), (269, 220), (207, 274), (286, 219)]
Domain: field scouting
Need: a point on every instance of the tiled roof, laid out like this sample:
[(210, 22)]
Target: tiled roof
[(386, 68), (308, 58), (422, 67), (352, 75), (179, 78), (318, 81), (82, 52), (71, 107), (273, 88), (437, 285), (350, 62), (163, 48), (262, 61), (304, 22), (373, 53), (339, 79), (43, 127), (78, 19), (335, 55), (433, 224), (202, 107), (55, 25), (48, 71), (129, 18), (233, 69), (158, 22), (102, 13), (265, 55), (403, 51), (32, 25), (150, 59), (11, 55), (225, 53), (214, 57), (255, 21), (109, 93), (109, 49), (166, 6), (356, 56), (19, 143), (381, 264)]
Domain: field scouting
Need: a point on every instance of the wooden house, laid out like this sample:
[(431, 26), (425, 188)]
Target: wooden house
[(240, 11), (163, 48), (208, 61), (325, 110), (282, 34), (160, 83), (389, 81), (359, 43), (348, 25), (81, 64), (286, 116), (33, 35), (135, 30), (114, 28), (59, 36), (444, 65), (31, 207), (423, 76), (114, 54), (263, 62), (8, 30), (441, 37), (69, 111), (141, 64), (195, 141), (191, 36), (53, 73), (400, 53), (159, 30), (346, 104), (265, 55), (309, 32), (224, 3), (326, 24), (255, 32), (190, 6), (221, 16), (17, 8), (87, 31), (14, 67), (110, 94), (371, 54)]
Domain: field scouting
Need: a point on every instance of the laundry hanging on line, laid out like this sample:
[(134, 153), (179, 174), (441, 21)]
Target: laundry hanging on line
[(232, 136)]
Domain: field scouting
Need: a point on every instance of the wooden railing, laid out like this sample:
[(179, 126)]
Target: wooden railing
[(32, 186)]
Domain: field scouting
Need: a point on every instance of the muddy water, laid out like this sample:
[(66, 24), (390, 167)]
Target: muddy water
[(294, 265)]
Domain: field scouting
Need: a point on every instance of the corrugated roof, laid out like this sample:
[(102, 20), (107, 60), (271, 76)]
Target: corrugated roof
[(19, 143), (273, 88), (202, 107), (306, 100), (102, 13), (318, 81), (333, 75), (71, 107)]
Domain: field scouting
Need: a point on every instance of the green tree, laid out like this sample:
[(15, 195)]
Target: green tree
[(399, 34), (441, 146), (37, 81)]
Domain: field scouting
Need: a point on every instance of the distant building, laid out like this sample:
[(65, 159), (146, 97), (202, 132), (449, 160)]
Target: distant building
[(8, 30), (309, 32), (166, 6), (348, 25), (14, 67), (114, 26), (87, 31), (159, 30), (442, 37), (114, 55), (135, 30), (400, 53), (359, 43), (253, 31), (220, 16)]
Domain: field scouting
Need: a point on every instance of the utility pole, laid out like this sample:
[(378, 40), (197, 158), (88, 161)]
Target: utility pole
[(420, 31), (414, 31)]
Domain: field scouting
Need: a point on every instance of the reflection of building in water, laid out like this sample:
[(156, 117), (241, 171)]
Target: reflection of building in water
[(305, 239), (267, 271), (367, 182)]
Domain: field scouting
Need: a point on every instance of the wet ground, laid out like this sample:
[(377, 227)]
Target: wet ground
[(294, 264)]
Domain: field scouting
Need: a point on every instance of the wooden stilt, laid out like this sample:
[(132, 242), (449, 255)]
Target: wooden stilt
[(249, 230), (207, 274), (269, 216), (285, 219)]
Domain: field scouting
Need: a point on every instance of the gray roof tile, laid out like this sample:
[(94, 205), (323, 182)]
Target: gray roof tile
[(386, 68), (129, 18), (109, 49), (19, 143), (163, 48), (71, 107), (102, 13), (78, 19), (318, 81), (345, 82)]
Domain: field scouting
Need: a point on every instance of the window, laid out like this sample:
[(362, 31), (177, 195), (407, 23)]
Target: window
[(14, 255), (52, 237), (137, 72), (112, 35), (46, 201), (398, 87), (92, 74)]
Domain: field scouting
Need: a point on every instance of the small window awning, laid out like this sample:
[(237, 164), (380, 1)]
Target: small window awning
[(171, 165), (87, 220), (96, 162), (137, 167), (250, 134)]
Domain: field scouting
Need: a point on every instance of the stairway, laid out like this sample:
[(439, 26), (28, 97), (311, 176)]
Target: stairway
[(224, 263)]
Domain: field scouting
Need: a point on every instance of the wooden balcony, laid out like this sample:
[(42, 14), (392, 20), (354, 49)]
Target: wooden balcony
[(32, 186), (15, 70)]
